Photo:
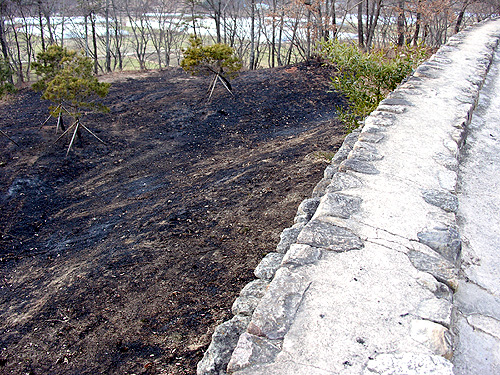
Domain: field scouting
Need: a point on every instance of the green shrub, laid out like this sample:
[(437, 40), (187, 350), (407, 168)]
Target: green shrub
[(67, 80), (49, 63), (218, 60), (367, 78), (5, 78)]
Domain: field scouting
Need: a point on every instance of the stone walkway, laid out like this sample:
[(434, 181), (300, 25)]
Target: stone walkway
[(364, 282), (478, 296)]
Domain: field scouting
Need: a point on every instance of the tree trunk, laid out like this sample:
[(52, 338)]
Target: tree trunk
[(252, 35), (401, 23), (460, 17), (40, 20), (94, 42), (373, 23), (361, 41), (108, 47), (5, 50), (273, 40), (86, 29), (308, 35), (417, 28), (62, 24), (334, 20)]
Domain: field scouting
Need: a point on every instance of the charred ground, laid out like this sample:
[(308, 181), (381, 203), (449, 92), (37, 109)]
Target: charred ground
[(123, 258)]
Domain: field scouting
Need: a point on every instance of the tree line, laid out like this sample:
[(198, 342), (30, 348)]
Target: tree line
[(142, 34)]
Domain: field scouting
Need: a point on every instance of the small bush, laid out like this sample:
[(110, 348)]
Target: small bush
[(207, 60), (218, 60), (6, 85), (367, 78), (67, 80)]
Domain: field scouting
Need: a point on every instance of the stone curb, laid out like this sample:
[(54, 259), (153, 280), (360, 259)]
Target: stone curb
[(261, 327)]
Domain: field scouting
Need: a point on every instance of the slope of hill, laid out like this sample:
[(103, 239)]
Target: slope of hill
[(122, 258)]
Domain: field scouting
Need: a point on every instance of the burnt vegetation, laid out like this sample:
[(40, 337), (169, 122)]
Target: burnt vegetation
[(122, 258)]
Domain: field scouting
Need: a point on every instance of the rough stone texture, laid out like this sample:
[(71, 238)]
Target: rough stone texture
[(365, 151), (398, 109), (435, 336), (256, 288), (441, 199), (459, 135), (343, 181), (408, 364), (440, 268), (381, 119), (338, 205), (245, 305), (306, 210), (332, 169), (342, 153), (371, 137), (288, 237), (447, 160), (223, 342), (253, 350), (358, 165), (287, 368), (448, 180), (268, 266), (300, 255), (437, 310), (249, 297), (320, 188), (475, 300), (396, 101), (328, 236), (274, 314), (445, 241)]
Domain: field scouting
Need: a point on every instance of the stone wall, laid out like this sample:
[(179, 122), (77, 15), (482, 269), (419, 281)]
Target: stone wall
[(382, 216)]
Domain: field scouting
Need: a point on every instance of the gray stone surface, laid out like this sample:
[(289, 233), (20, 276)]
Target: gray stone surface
[(306, 210), (371, 137), (321, 187), (288, 237), (267, 267), (396, 101), (256, 288), (408, 364), (249, 297), (358, 165), (434, 336), (478, 296), (300, 255), (397, 109), (440, 268), (343, 152), (329, 236), (436, 310), (244, 305), (472, 299), (476, 352), (276, 310), (221, 347), (365, 151), (441, 199), (445, 241), (253, 350), (343, 181), (339, 205)]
